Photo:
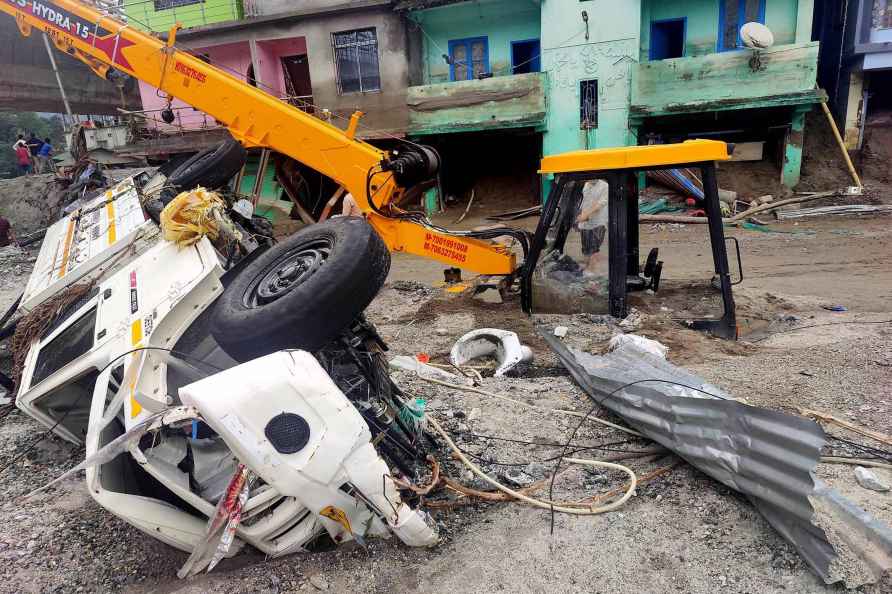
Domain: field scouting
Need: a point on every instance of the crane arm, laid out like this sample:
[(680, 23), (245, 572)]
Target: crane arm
[(257, 119)]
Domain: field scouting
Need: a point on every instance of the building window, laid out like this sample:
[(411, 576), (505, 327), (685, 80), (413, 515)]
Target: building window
[(356, 60), (165, 4), (588, 104), (525, 56), (667, 38), (733, 14), (468, 58)]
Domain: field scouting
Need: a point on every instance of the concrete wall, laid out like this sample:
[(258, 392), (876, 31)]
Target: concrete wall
[(500, 21), (27, 82), (142, 13), (607, 55), (726, 81), (234, 58), (781, 16), (386, 109), (271, 7)]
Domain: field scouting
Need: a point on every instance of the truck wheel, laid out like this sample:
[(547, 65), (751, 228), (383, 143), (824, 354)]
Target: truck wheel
[(211, 168), (302, 292)]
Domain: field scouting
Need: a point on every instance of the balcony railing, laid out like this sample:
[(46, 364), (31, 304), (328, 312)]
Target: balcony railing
[(160, 15), (188, 119), (780, 76)]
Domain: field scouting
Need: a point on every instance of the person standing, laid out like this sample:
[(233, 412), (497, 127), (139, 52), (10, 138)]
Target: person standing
[(45, 163), (34, 145), (22, 156)]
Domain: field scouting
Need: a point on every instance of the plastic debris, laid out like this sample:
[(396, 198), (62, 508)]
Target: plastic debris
[(869, 480), (839, 308), (561, 331), (632, 321), (639, 342), (221, 526), (404, 363), (504, 345)]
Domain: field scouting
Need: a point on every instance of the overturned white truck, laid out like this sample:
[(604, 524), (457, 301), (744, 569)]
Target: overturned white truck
[(269, 366)]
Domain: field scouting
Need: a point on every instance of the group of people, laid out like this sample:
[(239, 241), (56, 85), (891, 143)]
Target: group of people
[(33, 155)]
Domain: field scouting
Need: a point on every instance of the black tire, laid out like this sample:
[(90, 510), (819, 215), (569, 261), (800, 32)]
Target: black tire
[(211, 168), (302, 292)]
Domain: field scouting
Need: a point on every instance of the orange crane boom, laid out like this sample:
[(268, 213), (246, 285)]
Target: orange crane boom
[(257, 119)]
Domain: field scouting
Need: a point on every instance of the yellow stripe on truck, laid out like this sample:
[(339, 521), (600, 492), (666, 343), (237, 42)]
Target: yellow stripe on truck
[(66, 248), (136, 332), (110, 209)]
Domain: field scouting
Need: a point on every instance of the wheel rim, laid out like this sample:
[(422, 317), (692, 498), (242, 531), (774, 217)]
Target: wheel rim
[(289, 271)]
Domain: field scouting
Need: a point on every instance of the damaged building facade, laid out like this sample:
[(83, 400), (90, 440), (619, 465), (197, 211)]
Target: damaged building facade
[(575, 75), (327, 57), (856, 70)]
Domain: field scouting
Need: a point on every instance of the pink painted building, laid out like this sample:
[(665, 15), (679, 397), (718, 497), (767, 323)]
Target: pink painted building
[(283, 71)]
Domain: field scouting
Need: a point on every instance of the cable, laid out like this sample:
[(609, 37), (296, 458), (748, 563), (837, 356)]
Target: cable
[(547, 444), (598, 403), (633, 480), (604, 448), (49, 431), (818, 326)]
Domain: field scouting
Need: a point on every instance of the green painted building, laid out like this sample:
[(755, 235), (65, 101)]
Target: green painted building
[(160, 15), (577, 74)]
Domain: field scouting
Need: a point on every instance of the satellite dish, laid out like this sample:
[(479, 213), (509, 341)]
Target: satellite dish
[(756, 36)]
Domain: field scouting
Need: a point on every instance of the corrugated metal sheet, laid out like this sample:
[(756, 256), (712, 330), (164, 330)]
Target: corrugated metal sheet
[(767, 455)]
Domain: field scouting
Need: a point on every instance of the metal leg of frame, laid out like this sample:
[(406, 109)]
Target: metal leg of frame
[(633, 267), (726, 327), (538, 243), (618, 241)]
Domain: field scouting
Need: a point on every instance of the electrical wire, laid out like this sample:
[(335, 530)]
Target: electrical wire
[(633, 480), (604, 448), (48, 432), (599, 403), (819, 325)]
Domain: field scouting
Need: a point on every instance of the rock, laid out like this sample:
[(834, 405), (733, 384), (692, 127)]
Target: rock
[(561, 331), (869, 480), (516, 477), (441, 332), (489, 295), (535, 469), (319, 582), (474, 414)]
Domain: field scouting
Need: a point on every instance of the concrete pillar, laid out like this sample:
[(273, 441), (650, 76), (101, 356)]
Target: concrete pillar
[(255, 62), (853, 115), (793, 148), (805, 14), (431, 201)]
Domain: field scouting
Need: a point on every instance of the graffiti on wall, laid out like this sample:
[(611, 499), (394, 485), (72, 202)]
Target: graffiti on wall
[(609, 62)]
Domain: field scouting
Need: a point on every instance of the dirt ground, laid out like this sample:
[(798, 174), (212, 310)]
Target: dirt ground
[(681, 532)]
